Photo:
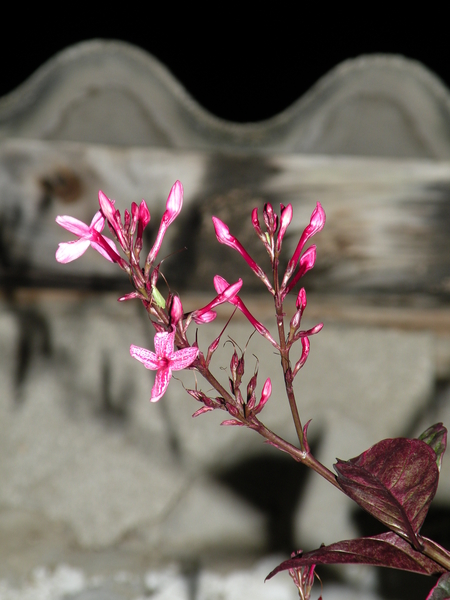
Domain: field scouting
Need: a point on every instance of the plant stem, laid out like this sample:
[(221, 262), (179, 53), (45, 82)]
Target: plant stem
[(436, 552), (303, 456), (287, 371)]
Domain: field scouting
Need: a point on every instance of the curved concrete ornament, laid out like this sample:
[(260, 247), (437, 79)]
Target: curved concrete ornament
[(111, 92)]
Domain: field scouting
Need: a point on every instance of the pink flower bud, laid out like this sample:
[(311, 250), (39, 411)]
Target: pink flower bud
[(224, 237), (252, 385), (130, 296), (316, 224), (304, 356), (306, 263), (265, 395), (176, 311), (300, 303), (174, 203), (134, 218), (295, 321), (113, 217), (106, 206), (285, 220), (144, 214), (126, 220), (270, 219), (220, 284), (214, 345), (205, 317), (255, 223), (226, 295), (173, 207), (202, 410)]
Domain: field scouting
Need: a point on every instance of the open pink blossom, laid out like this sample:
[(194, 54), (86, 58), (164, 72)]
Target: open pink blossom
[(164, 360), (89, 235)]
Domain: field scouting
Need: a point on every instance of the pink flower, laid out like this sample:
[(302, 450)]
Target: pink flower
[(225, 294), (222, 284), (112, 215), (305, 264), (285, 221), (175, 311), (224, 236), (164, 360), (89, 235), (173, 207), (316, 224)]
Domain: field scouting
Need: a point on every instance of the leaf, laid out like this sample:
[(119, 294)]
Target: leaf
[(384, 550), (436, 437), (441, 590), (395, 481)]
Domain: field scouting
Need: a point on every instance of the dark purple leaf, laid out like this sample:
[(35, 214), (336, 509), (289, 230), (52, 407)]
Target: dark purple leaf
[(441, 590), (384, 550), (395, 481), (436, 437)]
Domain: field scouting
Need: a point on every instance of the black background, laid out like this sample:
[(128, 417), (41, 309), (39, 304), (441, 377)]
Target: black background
[(239, 65)]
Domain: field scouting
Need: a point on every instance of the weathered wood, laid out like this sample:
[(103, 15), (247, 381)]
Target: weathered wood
[(387, 231)]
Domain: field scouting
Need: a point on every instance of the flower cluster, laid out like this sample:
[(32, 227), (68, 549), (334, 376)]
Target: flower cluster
[(167, 314), (371, 479)]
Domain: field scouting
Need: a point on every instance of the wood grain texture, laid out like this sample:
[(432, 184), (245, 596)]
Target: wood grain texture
[(387, 231)]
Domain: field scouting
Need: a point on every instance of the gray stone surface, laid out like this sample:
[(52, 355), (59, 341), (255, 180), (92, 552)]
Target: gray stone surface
[(114, 93), (81, 445), (170, 583)]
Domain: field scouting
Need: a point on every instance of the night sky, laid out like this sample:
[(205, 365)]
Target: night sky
[(239, 67)]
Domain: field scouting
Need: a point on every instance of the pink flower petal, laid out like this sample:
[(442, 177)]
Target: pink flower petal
[(69, 251), (146, 357), (183, 358), (73, 225), (161, 384), (98, 221), (164, 343)]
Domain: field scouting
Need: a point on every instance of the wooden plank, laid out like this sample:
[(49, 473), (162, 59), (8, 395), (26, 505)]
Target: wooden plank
[(387, 231)]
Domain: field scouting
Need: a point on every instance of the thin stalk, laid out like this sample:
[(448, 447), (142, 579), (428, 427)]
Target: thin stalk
[(287, 373)]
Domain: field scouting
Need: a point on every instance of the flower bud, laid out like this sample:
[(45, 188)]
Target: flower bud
[(265, 395), (285, 221), (316, 224), (224, 237), (176, 311)]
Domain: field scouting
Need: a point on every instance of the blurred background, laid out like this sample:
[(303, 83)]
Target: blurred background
[(95, 478)]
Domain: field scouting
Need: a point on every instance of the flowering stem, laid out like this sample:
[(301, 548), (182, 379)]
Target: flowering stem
[(284, 352), (300, 455)]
